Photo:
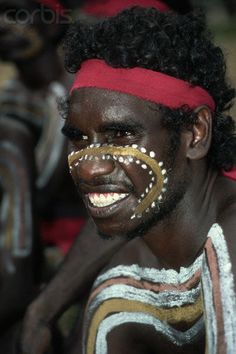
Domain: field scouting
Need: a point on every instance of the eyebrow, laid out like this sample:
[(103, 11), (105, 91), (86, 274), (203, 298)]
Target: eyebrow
[(74, 133), (71, 131), (128, 125)]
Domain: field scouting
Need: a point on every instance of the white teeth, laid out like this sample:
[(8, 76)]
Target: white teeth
[(160, 164), (143, 150), (144, 166), (104, 199), (121, 159), (134, 146)]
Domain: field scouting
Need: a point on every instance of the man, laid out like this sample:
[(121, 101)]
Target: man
[(64, 289), (149, 143)]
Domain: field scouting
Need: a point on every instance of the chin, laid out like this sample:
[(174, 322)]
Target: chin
[(109, 230), (127, 229)]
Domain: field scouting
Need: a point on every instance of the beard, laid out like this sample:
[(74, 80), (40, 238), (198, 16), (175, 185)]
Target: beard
[(163, 211), (175, 191), (173, 196)]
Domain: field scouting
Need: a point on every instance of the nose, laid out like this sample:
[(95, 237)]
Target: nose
[(90, 170)]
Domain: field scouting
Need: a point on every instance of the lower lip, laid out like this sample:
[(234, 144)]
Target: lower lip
[(106, 211)]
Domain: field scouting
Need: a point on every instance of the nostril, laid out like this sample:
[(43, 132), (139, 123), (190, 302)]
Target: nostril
[(90, 169)]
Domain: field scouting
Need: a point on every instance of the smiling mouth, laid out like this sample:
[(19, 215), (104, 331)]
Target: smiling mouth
[(101, 200)]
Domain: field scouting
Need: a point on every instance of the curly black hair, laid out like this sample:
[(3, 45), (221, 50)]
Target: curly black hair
[(177, 45)]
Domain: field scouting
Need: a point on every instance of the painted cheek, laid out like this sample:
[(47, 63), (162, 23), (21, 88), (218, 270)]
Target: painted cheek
[(152, 193)]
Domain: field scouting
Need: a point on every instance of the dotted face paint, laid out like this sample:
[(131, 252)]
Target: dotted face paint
[(153, 193)]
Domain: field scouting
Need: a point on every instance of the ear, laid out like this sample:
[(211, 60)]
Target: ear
[(199, 140)]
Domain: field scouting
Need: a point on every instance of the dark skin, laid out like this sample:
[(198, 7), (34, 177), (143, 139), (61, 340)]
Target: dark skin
[(215, 202), (41, 314), (102, 116)]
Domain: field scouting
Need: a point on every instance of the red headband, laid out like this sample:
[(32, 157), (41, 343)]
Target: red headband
[(54, 5), (107, 8), (143, 83), (230, 174)]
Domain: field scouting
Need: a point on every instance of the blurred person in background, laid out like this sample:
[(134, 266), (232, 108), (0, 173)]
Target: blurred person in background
[(230, 6), (37, 198)]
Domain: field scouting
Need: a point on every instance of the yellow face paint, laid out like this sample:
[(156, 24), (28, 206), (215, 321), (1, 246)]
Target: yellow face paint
[(129, 154)]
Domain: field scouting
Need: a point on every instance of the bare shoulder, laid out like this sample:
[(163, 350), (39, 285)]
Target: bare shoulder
[(227, 212), (226, 194), (227, 221)]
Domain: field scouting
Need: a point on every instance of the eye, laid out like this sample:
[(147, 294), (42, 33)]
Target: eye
[(80, 142), (122, 133)]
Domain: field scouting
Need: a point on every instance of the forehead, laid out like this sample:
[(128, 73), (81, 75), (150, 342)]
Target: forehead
[(95, 105)]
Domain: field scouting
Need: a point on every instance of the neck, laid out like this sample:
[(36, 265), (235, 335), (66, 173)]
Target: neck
[(39, 72), (179, 238)]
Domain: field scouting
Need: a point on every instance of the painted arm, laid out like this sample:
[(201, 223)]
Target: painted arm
[(16, 219), (219, 284), (86, 257)]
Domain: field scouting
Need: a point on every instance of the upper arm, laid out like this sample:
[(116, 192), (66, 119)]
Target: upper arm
[(228, 223)]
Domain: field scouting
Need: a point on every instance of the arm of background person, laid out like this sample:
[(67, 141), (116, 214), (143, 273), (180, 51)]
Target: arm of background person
[(16, 220), (75, 276)]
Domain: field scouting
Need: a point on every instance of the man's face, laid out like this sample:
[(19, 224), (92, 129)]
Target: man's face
[(114, 184)]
